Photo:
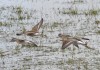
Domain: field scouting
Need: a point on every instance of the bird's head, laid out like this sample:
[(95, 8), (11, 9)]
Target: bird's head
[(59, 35)]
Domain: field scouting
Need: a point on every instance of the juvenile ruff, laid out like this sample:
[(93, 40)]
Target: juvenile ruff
[(68, 40), (33, 31), (23, 42)]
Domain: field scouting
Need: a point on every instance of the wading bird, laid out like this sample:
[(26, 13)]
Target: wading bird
[(33, 31), (68, 40), (23, 42)]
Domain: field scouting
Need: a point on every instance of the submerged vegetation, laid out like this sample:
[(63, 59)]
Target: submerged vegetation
[(4, 24), (72, 12), (92, 12), (97, 22), (98, 32), (20, 12), (55, 24), (16, 13)]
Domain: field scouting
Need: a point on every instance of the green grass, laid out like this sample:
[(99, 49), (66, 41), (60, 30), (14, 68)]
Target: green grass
[(70, 61), (92, 12), (78, 1), (28, 59), (55, 24), (17, 50), (98, 32), (20, 17), (72, 12), (1, 54), (19, 10), (64, 12), (97, 22), (4, 24), (40, 63), (60, 63), (28, 16)]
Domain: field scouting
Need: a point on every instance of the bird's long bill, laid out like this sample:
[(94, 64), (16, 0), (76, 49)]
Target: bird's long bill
[(18, 34), (85, 38)]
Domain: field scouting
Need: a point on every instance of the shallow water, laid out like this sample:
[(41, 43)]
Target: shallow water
[(16, 14)]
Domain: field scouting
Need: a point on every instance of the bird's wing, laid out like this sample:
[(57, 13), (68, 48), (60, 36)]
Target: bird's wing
[(19, 41), (66, 44), (33, 44), (77, 38), (76, 44), (30, 33), (37, 26)]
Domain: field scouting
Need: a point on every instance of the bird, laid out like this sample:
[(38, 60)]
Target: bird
[(33, 31), (23, 42), (68, 40)]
